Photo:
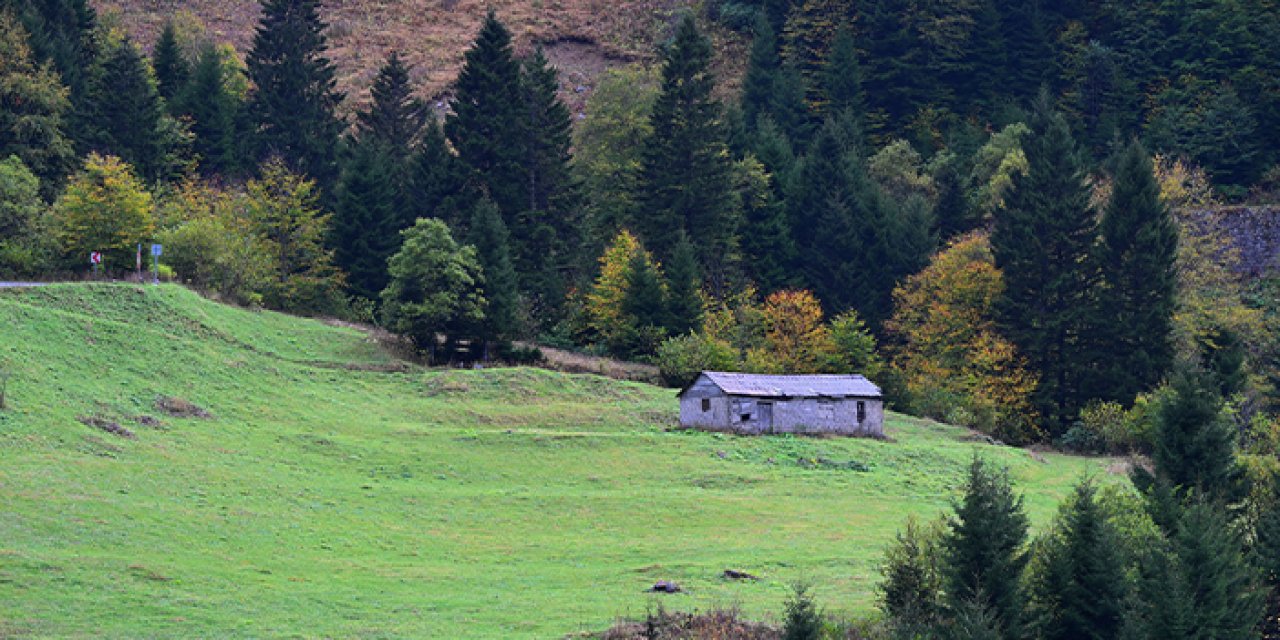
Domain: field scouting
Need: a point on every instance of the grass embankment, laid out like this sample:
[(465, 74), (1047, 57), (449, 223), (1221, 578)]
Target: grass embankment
[(330, 496)]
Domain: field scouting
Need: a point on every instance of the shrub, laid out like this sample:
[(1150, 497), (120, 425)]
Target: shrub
[(682, 358), (803, 620)]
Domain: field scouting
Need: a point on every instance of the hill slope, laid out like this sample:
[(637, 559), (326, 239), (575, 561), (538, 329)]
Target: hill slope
[(582, 37), (334, 493)]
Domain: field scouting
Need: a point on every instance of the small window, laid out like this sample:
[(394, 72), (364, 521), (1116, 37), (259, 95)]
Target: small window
[(746, 417), (706, 404), (862, 412), (826, 409)]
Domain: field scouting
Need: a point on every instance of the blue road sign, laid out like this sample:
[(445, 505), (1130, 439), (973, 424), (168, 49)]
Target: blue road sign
[(157, 250)]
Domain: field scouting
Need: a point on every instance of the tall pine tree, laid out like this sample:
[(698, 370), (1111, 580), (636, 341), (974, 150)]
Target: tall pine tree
[(1080, 589), (64, 33), (686, 179), (488, 122), (33, 110), (1194, 443), (365, 225), (489, 236), (122, 112), (984, 550), (171, 68), (1042, 241), (211, 110), (294, 103), (1139, 243), (684, 304), (395, 118)]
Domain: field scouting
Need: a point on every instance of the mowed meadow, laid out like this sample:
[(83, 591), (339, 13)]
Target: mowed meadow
[(332, 491)]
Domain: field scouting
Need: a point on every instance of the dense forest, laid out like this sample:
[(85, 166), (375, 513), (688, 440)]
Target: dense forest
[(995, 209)]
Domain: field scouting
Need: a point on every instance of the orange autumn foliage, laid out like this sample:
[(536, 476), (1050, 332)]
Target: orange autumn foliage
[(955, 364)]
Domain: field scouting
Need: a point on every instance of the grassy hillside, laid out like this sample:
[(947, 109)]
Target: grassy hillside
[(335, 494), (582, 37)]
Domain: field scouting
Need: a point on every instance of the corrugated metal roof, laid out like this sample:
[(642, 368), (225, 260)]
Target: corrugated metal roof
[(792, 386)]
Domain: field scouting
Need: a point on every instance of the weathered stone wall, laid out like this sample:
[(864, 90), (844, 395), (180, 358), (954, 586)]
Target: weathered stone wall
[(801, 415), (1254, 232)]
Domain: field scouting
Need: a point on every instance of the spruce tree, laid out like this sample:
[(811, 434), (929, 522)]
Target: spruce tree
[(1194, 444), (842, 78), (487, 126), (365, 224), (763, 66), (768, 252), (1042, 242), (171, 68), (984, 550), (1080, 590), (1028, 48), (549, 227), (489, 236), (437, 183), (684, 304), (686, 180), (395, 118), (1226, 596), (211, 110), (811, 29), (1139, 243), (121, 114), (64, 33), (644, 306), (294, 104)]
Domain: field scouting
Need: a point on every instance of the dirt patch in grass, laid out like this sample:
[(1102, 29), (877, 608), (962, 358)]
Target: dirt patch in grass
[(180, 408), (108, 425), (723, 624)]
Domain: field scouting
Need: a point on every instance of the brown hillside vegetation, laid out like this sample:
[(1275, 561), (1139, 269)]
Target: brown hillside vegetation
[(581, 37)]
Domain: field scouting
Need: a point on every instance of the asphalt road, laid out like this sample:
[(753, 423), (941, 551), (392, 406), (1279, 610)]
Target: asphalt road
[(13, 285)]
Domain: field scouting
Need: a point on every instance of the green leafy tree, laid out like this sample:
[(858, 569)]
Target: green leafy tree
[(104, 208), (984, 550), (487, 126), (1080, 587), (284, 212), (1137, 252), (33, 109), (489, 236), (63, 33), (605, 156), (170, 66), (686, 179), (293, 106), (24, 247), (1042, 242), (435, 286)]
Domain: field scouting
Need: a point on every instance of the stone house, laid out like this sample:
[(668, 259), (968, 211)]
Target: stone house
[(759, 404)]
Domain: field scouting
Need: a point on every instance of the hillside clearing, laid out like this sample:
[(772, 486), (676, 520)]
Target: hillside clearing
[(319, 502)]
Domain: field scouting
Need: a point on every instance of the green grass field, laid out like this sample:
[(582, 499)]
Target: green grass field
[(331, 497)]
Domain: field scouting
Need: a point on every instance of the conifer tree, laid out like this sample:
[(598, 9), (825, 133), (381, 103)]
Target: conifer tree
[(811, 29), (211, 110), (1194, 444), (395, 119), (684, 304), (842, 78), (489, 236), (1042, 241), (984, 550), (171, 68), (763, 66), (549, 227), (644, 307), (1225, 596), (437, 183), (1080, 590), (294, 103), (365, 224), (1028, 48), (686, 178), (487, 126), (1139, 243), (33, 109), (767, 249), (122, 112)]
